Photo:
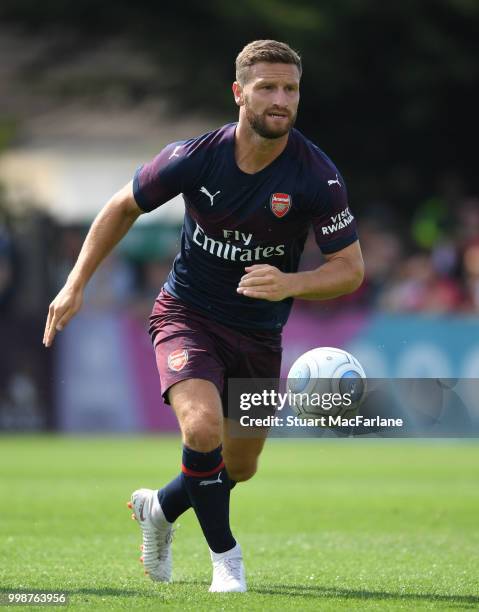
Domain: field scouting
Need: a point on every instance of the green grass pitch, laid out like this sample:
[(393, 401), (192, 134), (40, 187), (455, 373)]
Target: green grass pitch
[(325, 525)]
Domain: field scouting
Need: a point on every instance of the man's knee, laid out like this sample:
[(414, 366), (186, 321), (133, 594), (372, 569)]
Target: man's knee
[(201, 435), (201, 428), (198, 409)]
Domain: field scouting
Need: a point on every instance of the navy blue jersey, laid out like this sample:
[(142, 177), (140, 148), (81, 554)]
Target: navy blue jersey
[(233, 219)]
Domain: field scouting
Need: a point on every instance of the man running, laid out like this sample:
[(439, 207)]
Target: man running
[(252, 189)]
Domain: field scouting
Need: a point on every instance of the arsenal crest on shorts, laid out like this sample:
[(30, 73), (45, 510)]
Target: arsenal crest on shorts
[(280, 204), (177, 360)]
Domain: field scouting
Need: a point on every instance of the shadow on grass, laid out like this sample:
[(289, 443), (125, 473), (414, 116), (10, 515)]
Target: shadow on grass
[(291, 590), (106, 591), (319, 591)]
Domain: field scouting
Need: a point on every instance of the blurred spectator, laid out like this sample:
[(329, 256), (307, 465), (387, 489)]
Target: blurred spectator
[(112, 286), (468, 221), (150, 277), (471, 276), (418, 287), (65, 253), (7, 267), (382, 252)]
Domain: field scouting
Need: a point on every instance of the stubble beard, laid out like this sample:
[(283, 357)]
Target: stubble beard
[(258, 123)]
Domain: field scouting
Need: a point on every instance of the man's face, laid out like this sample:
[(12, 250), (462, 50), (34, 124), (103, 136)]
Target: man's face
[(270, 98)]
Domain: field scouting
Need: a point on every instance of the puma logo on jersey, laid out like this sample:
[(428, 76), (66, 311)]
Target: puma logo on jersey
[(204, 483), (175, 154), (211, 197), (333, 181)]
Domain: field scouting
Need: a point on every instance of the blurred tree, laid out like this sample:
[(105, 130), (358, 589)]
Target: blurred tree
[(390, 90)]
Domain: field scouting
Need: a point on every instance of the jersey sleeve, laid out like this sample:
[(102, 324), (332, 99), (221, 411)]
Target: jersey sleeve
[(333, 222), (163, 178)]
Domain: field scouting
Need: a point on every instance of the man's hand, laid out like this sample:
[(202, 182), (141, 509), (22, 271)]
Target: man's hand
[(341, 274), (265, 282), (67, 303)]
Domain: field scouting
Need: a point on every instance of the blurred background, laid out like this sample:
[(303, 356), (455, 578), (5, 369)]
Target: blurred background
[(91, 90)]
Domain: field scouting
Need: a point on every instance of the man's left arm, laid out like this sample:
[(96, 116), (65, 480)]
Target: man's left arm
[(342, 273)]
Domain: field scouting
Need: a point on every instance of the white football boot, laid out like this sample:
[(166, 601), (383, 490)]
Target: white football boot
[(157, 534), (228, 571)]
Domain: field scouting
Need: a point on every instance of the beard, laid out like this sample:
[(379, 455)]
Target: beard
[(259, 123)]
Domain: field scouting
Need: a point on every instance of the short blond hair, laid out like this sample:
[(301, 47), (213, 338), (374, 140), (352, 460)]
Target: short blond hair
[(270, 51)]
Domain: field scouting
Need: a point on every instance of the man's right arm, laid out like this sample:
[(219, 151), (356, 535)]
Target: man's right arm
[(108, 228)]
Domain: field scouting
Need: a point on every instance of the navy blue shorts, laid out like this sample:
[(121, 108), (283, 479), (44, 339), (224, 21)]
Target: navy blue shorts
[(190, 345)]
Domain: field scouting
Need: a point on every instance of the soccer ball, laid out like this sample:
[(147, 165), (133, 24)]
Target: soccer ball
[(326, 381)]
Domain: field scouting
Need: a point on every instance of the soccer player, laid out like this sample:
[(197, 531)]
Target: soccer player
[(251, 189)]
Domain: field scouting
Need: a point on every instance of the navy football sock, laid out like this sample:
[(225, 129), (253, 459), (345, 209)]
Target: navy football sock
[(207, 483), (174, 498)]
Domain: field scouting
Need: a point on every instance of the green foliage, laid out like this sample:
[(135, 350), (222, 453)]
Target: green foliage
[(430, 223), (8, 130)]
